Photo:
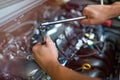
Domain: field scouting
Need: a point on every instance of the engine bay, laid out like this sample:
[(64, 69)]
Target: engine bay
[(93, 50)]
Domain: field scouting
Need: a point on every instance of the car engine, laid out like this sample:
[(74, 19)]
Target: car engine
[(93, 50)]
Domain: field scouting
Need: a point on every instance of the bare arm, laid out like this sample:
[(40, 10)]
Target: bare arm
[(115, 10), (98, 14), (58, 72), (46, 56)]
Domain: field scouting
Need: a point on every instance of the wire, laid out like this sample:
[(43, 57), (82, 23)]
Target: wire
[(113, 31)]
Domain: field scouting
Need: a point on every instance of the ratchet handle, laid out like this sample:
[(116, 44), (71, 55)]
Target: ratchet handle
[(41, 29), (43, 42)]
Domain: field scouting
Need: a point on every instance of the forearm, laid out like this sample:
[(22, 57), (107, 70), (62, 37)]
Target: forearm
[(114, 10), (58, 72)]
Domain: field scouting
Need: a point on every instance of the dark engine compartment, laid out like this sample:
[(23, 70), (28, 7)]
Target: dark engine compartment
[(93, 50)]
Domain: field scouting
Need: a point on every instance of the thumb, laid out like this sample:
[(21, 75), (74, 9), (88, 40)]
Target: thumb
[(48, 40)]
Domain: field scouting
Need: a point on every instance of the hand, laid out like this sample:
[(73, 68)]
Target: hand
[(96, 14), (45, 54)]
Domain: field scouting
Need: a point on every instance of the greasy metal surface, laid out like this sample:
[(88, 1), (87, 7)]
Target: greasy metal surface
[(16, 62), (14, 52)]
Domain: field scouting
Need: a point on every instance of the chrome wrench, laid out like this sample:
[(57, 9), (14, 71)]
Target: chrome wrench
[(41, 27), (63, 21)]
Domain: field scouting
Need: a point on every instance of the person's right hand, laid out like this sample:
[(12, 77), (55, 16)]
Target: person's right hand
[(96, 14), (45, 54)]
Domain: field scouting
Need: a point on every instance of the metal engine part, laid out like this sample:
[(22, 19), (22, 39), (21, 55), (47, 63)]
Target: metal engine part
[(87, 49)]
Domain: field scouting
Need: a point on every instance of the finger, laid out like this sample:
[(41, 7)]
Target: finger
[(36, 46), (85, 11), (49, 41), (85, 21)]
